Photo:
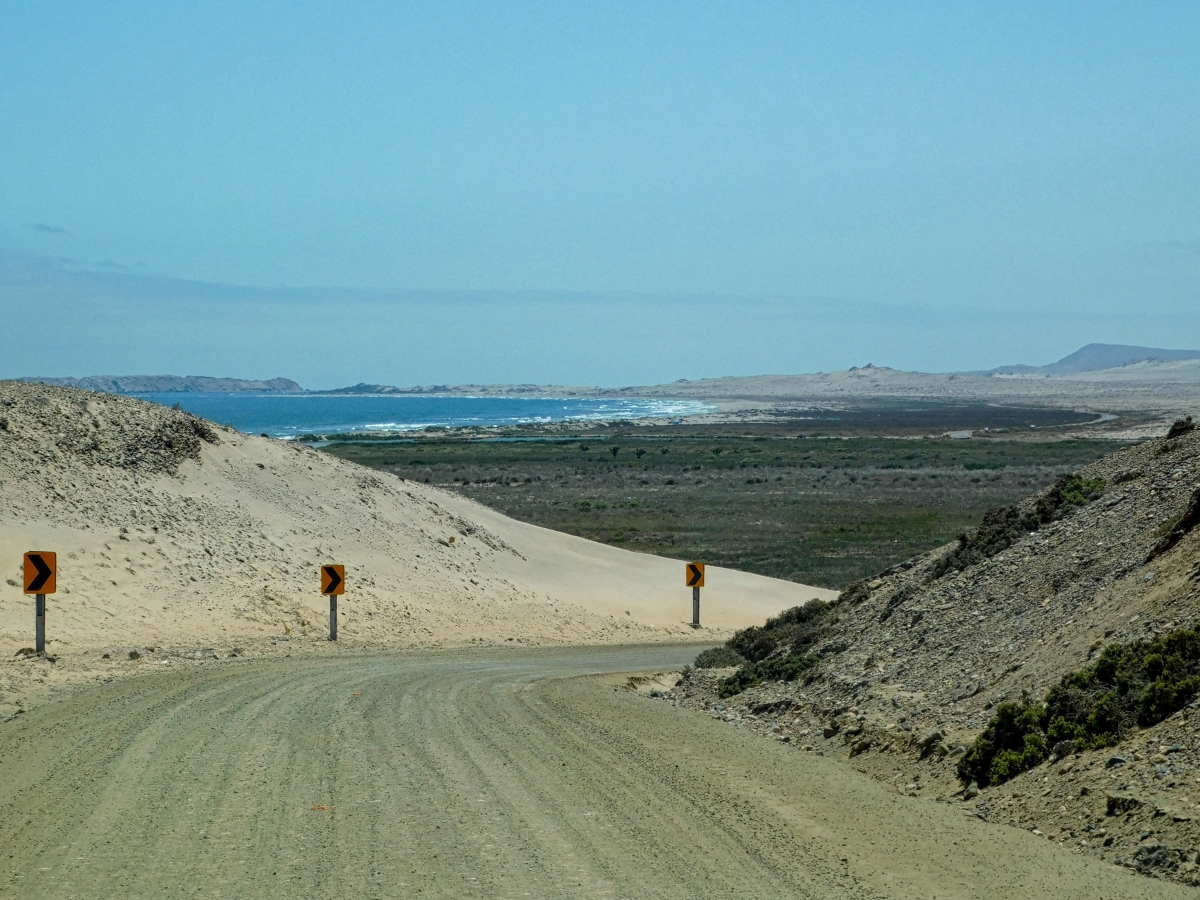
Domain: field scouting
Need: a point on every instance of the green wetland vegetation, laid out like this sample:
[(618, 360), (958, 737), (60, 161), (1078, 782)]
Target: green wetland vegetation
[(771, 498)]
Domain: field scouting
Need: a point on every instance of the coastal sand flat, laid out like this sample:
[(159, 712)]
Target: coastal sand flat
[(478, 773), (1149, 385)]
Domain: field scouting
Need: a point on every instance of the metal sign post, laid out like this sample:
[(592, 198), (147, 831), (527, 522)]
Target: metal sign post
[(694, 576), (39, 623), (333, 583), (41, 578)]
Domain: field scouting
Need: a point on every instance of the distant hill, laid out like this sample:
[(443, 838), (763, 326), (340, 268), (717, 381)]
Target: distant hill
[(1095, 357), (861, 381), (363, 388), (148, 384)]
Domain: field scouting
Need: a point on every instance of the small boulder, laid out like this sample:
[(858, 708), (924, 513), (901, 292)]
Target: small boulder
[(860, 746), (1119, 804), (1153, 858), (1063, 749), (929, 742)]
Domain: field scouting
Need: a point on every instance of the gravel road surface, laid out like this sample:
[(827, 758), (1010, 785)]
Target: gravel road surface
[(485, 774)]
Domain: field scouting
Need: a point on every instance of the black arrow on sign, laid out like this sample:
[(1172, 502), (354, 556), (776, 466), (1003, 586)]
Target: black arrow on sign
[(693, 574), (43, 574), (334, 579)]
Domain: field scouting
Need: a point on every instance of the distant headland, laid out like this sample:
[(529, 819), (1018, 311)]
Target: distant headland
[(170, 384)]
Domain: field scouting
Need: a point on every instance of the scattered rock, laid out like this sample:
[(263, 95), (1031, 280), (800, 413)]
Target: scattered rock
[(1119, 804), (1155, 858), (860, 746), (929, 741), (969, 691), (1063, 749)]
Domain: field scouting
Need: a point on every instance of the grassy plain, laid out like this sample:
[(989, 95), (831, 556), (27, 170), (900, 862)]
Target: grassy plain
[(771, 498)]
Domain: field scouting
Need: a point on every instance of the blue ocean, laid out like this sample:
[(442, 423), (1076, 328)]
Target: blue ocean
[(290, 415)]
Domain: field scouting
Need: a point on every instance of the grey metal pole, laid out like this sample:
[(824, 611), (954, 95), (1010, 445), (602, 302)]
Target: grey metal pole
[(39, 624), (333, 617), (695, 607)]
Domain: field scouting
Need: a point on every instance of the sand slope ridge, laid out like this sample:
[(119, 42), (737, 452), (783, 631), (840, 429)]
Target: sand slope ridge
[(171, 529)]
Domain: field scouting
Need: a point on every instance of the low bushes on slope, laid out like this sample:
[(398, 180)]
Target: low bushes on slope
[(1130, 686), (795, 629), (780, 649), (1180, 427), (787, 667), (718, 658), (1002, 527)]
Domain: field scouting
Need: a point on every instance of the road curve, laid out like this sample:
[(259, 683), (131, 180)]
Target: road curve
[(469, 774)]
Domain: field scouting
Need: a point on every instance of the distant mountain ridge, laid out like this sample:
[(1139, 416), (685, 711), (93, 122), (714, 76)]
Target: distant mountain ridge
[(1095, 357), (169, 384), (1089, 359)]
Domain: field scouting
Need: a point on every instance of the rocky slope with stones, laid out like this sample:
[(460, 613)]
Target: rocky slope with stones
[(916, 661)]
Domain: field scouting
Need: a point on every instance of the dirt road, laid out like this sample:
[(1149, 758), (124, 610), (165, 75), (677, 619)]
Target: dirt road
[(469, 774)]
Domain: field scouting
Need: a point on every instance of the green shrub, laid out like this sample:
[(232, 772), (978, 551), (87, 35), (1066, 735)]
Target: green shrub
[(1013, 741), (1061, 730), (777, 668), (1079, 491), (1005, 765), (1180, 427), (753, 643), (1130, 686), (794, 630), (718, 658)]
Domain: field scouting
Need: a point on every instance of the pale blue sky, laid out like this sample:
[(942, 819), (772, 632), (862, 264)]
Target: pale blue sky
[(937, 186)]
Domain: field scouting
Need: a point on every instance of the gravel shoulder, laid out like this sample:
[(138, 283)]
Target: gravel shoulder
[(484, 773)]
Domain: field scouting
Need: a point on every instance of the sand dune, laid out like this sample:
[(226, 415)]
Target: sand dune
[(171, 530)]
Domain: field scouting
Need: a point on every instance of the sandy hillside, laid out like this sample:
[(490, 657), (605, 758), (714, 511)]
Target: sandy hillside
[(172, 530)]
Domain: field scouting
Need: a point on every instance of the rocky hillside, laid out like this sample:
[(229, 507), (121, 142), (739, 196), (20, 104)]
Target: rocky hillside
[(906, 670)]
